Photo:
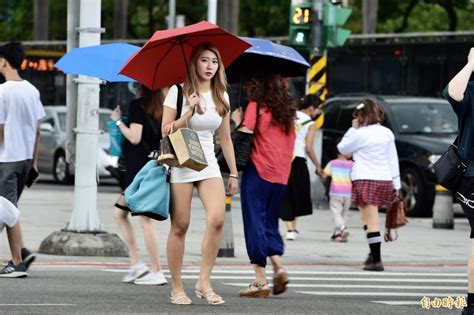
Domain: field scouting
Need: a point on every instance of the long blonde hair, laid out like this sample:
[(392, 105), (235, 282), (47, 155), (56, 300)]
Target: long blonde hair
[(218, 81)]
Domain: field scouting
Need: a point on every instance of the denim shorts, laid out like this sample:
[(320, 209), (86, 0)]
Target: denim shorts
[(465, 197)]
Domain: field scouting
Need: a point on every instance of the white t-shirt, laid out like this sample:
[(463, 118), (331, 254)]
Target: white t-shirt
[(205, 126), (303, 123), (20, 110)]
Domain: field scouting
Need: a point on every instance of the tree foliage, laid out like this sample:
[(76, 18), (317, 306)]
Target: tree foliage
[(257, 18), (264, 18), (397, 16)]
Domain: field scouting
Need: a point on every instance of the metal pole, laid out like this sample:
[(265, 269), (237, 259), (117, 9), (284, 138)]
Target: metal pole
[(71, 86), (212, 11), (85, 217), (172, 14)]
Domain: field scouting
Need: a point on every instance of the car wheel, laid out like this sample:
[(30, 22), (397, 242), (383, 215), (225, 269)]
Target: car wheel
[(61, 169), (412, 192)]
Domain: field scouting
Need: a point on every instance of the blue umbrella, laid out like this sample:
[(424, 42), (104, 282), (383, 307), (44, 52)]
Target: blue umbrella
[(99, 61), (265, 55)]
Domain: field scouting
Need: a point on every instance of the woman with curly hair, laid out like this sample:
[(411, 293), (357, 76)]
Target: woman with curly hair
[(270, 116)]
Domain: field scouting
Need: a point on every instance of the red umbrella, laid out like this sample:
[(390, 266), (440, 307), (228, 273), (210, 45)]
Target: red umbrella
[(163, 60)]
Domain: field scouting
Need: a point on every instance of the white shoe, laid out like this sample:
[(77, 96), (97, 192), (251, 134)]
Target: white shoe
[(152, 278), (291, 236), (135, 271)]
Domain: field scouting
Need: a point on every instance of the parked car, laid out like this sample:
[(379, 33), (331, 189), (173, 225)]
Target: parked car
[(52, 156), (423, 129)]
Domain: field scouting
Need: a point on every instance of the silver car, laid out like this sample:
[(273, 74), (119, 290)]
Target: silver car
[(52, 157)]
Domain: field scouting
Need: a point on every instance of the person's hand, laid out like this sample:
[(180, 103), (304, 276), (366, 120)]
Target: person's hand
[(237, 116), (355, 123), (168, 128), (232, 186), (470, 58), (116, 113), (193, 102)]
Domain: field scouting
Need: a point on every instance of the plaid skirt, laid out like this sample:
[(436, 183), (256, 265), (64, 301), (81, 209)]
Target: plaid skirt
[(372, 192)]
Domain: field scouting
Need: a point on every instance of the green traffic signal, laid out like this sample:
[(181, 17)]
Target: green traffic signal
[(333, 17), (301, 17)]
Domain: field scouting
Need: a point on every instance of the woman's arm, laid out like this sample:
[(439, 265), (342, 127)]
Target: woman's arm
[(227, 145), (310, 148), (349, 142), (168, 121), (229, 155), (457, 86), (132, 133), (393, 162)]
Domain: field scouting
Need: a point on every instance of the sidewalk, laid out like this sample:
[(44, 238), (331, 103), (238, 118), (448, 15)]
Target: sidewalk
[(44, 211)]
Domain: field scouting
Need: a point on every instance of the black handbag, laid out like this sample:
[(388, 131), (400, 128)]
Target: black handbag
[(243, 143), (450, 168)]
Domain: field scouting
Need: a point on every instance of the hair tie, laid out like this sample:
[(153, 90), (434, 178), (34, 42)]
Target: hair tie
[(360, 106)]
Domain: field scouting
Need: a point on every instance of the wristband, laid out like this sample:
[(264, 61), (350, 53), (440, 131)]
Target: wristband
[(234, 176)]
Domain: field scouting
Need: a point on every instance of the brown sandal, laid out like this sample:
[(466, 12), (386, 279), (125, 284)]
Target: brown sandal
[(280, 280), (211, 296), (256, 290), (180, 299)]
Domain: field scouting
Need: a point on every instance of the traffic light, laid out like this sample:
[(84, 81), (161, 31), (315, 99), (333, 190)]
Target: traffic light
[(301, 16), (333, 17)]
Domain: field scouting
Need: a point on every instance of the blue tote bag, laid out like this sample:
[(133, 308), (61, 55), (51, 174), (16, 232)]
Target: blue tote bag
[(149, 192)]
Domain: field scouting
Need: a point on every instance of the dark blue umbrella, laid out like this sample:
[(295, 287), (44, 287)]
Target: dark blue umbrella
[(265, 55), (99, 61)]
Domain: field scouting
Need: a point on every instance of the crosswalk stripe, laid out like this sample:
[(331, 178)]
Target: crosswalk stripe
[(339, 279), (398, 303), (358, 293), (360, 286), (304, 272)]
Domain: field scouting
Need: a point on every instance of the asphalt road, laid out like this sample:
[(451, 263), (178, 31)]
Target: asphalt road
[(55, 289)]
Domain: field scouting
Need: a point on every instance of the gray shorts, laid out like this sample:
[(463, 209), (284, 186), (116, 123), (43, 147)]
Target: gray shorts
[(13, 177)]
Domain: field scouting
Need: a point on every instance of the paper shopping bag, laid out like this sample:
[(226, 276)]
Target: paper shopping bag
[(188, 149)]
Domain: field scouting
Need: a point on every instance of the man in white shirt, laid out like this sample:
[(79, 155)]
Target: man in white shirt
[(20, 111)]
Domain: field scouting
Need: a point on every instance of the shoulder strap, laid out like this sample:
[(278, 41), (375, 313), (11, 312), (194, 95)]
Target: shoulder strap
[(306, 122), (470, 155), (179, 101)]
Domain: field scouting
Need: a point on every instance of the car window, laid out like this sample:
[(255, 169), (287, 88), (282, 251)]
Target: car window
[(345, 116), (331, 114), (424, 118), (48, 120), (62, 121)]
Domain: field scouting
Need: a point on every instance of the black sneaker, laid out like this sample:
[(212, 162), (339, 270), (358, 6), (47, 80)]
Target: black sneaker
[(12, 271), (27, 257), (378, 266)]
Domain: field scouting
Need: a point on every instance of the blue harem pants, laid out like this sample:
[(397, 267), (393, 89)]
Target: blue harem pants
[(261, 201)]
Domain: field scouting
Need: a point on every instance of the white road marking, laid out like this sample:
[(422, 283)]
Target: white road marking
[(37, 304), (399, 303), (346, 293), (299, 272), (361, 286)]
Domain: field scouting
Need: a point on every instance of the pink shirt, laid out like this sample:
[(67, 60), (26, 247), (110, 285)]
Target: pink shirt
[(272, 152)]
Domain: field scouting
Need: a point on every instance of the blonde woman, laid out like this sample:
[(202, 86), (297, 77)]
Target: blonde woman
[(206, 110)]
